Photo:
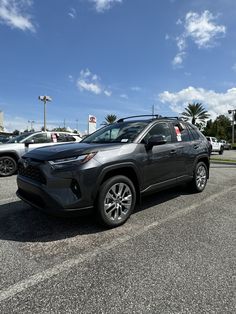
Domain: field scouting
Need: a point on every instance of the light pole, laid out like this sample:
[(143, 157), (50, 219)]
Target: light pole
[(31, 124), (233, 112), (45, 99)]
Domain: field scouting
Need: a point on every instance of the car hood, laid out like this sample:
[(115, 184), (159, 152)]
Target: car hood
[(68, 150)]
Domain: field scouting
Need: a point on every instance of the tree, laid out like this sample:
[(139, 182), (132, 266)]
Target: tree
[(16, 132), (220, 128), (196, 113), (109, 119)]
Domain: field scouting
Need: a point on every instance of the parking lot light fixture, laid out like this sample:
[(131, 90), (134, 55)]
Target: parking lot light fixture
[(233, 112), (45, 99)]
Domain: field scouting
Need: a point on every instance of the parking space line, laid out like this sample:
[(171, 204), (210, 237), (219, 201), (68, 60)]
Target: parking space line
[(33, 280)]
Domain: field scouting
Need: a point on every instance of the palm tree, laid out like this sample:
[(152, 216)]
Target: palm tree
[(109, 119), (195, 111)]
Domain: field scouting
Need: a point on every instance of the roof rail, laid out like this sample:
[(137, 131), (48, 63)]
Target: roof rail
[(155, 116)]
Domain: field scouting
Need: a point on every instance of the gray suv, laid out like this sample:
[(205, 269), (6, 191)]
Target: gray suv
[(112, 168), (11, 151)]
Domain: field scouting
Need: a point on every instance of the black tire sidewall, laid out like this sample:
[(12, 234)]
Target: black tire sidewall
[(103, 219), (15, 166)]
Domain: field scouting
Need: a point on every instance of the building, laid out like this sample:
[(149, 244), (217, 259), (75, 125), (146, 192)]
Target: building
[(1, 121)]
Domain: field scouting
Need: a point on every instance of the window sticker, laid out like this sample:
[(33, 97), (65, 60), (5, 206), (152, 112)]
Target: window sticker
[(124, 140), (178, 134)]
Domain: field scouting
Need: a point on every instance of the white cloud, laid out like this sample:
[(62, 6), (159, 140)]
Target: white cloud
[(201, 29), (124, 96), (90, 87), (91, 83), (103, 5), (215, 103), (14, 14), (178, 59), (72, 13), (107, 93)]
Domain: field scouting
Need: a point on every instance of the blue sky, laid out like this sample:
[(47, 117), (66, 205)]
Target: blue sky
[(114, 56)]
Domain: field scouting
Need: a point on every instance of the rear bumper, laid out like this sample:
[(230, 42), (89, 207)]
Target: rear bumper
[(48, 199)]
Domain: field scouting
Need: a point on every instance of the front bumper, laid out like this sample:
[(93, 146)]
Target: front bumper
[(59, 192)]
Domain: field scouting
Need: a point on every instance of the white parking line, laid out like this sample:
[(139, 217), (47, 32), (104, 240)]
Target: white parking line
[(33, 280)]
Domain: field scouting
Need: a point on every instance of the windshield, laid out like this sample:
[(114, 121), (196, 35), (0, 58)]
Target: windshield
[(124, 132), (19, 138)]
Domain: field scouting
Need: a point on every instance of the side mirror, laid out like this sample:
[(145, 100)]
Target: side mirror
[(27, 142), (155, 140)]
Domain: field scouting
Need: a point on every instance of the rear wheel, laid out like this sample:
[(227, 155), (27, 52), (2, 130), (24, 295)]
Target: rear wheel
[(8, 166), (116, 201), (200, 177)]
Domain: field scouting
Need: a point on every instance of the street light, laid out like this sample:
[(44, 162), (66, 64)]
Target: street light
[(31, 123), (233, 112), (45, 99)]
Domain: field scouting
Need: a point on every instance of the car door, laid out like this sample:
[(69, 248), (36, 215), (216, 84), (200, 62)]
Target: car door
[(160, 166), (38, 140)]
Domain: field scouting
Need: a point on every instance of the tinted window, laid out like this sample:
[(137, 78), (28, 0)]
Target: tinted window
[(159, 129), (194, 133), (40, 138), (62, 137)]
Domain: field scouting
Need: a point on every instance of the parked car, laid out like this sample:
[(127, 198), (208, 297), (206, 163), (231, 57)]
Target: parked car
[(226, 144), (216, 146), (11, 151), (4, 139), (112, 168)]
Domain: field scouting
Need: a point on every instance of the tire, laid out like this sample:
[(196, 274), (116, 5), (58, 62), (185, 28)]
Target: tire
[(221, 151), (200, 175), (116, 201), (8, 166)]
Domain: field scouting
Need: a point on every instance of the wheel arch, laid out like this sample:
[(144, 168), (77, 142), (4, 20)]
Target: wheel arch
[(206, 161), (127, 170)]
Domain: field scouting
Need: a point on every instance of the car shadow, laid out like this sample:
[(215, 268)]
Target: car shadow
[(22, 223)]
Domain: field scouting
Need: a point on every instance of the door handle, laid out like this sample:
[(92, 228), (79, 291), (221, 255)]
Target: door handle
[(173, 152), (195, 146)]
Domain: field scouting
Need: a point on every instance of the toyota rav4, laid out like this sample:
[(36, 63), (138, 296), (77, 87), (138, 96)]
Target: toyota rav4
[(112, 168)]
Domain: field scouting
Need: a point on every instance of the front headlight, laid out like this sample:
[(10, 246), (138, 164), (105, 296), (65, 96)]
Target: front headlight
[(59, 163)]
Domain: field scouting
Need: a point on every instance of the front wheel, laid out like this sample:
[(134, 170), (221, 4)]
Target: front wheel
[(8, 166), (221, 151), (199, 177), (116, 201)]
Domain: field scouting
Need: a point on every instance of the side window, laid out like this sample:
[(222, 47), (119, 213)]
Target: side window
[(194, 134), (159, 129), (40, 138), (62, 137), (182, 132)]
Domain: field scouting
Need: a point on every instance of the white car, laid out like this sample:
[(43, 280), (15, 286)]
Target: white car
[(11, 151), (216, 146)]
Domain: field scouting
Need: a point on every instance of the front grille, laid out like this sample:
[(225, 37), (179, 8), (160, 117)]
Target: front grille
[(32, 172)]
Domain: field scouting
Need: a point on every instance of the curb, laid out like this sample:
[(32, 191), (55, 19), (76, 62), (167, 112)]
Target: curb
[(222, 162)]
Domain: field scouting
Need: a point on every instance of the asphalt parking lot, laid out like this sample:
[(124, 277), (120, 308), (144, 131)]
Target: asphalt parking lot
[(176, 254)]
